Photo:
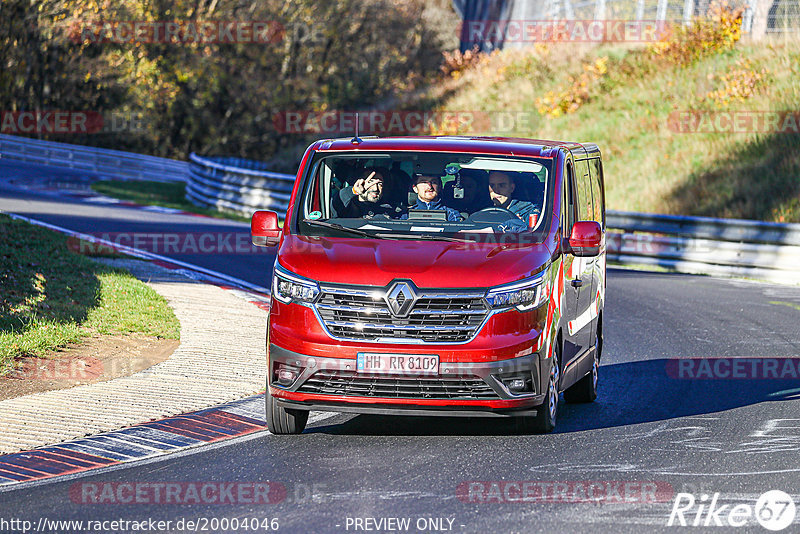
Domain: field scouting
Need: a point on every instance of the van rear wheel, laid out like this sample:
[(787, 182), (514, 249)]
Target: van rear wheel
[(281, 420)]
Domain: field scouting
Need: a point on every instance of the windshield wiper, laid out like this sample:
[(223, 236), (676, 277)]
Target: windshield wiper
[(339, 227), (423, 237)]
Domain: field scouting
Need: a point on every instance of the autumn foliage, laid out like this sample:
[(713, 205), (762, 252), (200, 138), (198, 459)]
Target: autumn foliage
[(214, 96)]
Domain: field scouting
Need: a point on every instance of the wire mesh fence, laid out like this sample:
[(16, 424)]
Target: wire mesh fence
[(760, 17)]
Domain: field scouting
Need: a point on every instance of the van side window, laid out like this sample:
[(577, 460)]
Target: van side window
[(569, 200), (583, 188), (598, 193)]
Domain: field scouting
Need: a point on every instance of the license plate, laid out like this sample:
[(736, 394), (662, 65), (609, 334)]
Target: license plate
[(408, 364)]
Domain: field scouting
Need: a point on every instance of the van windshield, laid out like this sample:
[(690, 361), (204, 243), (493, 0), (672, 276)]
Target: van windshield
[(425, 195)]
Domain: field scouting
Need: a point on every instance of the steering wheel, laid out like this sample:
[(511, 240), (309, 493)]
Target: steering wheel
[(492, 215)]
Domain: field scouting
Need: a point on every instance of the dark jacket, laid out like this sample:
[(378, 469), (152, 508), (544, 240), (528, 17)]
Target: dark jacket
[(452, 215), (347, 204), (520, 208)]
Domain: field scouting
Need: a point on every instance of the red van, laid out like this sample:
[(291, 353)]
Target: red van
[(437, 276)]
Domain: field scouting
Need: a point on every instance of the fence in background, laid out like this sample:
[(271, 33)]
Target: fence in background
[(728, 247), (104, 162), (760, 17), (239, 185)]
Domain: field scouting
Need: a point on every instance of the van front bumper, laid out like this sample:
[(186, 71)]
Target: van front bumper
[(463, 388)]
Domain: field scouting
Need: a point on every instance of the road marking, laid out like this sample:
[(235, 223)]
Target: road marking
[(131, 251)]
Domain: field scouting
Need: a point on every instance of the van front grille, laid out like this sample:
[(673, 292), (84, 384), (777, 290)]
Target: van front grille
[(439, 316), (352, 384)]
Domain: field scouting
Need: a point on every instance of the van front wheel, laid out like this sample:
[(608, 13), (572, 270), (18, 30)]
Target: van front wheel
[(545, 419), (283, 421)]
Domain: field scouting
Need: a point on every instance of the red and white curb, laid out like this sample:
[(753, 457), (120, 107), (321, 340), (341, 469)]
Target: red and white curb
[(138, 442), (151, 439)]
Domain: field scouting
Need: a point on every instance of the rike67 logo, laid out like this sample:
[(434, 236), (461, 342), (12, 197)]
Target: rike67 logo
[(774, 510)]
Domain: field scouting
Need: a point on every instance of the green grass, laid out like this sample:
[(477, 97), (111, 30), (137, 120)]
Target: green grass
[(51, 296), (649, 167), (164, 194)]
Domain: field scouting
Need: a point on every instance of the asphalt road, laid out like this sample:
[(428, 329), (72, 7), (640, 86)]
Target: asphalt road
[(59, 197), (655, 431)]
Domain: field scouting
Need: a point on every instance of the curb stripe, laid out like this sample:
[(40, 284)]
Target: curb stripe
[(86, 446), (167, 439), (19, 465), (233, 420), (147, 440), (71, 460), (177, 428), (15, 477), (90, 458)]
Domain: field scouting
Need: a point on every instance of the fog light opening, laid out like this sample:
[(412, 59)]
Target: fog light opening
[(518, 384), (285, 375)]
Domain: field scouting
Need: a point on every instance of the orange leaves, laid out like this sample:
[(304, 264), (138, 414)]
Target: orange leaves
[(456, 62), (567, 100), (739, 84), (717, 32)]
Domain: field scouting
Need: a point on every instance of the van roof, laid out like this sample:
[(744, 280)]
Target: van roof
[(512, 146)]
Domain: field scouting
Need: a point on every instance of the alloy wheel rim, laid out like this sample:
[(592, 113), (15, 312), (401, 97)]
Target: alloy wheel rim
[(596, 362), (553, 391)]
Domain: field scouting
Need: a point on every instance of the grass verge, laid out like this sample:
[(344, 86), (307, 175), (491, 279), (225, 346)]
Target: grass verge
[(164, 194), (51, 296)]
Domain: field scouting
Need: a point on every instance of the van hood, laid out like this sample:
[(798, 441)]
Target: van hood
[(377, 262)]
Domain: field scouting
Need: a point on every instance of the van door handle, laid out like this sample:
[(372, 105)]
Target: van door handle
[(577, 282)]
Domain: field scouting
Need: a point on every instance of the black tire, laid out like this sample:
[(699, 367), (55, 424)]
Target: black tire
[(545, 419), (283, 421), (585, 389)]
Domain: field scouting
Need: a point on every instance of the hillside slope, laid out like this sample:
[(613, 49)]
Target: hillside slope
[(630, 100)]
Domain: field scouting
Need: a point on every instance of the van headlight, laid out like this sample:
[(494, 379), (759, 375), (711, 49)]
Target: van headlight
[(523, 295), (288, 287)]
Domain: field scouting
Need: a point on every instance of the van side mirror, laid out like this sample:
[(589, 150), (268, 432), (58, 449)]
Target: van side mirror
[(264, 229), (586, 238)]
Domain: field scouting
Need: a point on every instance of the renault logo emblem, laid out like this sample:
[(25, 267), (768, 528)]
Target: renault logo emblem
[(401, 298)]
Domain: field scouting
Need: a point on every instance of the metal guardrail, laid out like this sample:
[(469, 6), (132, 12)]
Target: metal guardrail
[(239, 185), (727, 247), (102, 161)]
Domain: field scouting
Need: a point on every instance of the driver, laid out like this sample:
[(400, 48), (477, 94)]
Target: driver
[(428, 189), (501, 187), (364, 199)]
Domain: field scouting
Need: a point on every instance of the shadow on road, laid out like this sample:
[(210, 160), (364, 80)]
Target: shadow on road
[(631, 393)]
